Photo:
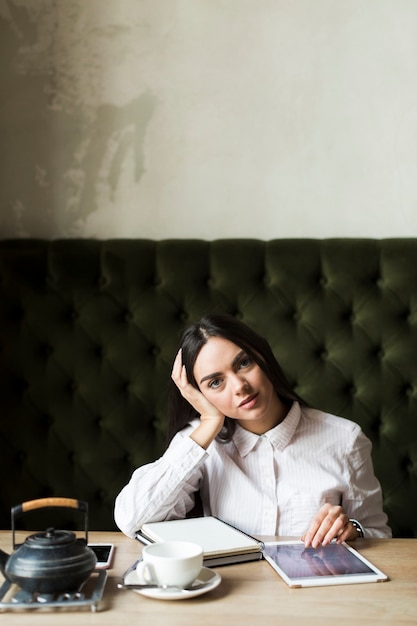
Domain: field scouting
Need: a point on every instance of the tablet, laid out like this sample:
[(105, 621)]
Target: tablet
[(334, 564)]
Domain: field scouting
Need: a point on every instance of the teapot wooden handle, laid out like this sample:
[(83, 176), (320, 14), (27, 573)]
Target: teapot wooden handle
[(41, 503)]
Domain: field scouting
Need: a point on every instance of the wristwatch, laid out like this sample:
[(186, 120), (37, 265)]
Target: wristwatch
[(358, 527)]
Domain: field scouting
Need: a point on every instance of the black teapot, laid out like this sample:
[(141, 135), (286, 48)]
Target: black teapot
[(49, 562)]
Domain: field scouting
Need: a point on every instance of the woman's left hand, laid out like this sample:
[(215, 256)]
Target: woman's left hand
[(331, 522)]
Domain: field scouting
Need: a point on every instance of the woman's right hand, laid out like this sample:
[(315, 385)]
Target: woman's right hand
[(211, 419)]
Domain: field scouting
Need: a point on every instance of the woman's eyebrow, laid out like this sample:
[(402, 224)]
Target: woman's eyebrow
[(237, 358), (210, 376), (217, 374)]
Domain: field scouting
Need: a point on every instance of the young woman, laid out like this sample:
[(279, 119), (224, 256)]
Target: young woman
[(261, 459)]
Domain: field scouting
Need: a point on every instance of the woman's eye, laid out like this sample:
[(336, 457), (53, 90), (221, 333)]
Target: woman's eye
[(245, 362), (215, 383)]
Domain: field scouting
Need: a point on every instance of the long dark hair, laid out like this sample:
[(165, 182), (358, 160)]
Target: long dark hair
[(180, 411)]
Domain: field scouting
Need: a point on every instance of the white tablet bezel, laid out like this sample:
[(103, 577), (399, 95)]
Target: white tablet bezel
[(316, 580)]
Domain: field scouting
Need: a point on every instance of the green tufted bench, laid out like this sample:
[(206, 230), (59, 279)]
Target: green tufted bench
[(89, 329)]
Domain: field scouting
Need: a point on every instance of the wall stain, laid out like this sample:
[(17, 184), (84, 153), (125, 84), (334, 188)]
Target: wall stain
[(108, 127), (56, 158)]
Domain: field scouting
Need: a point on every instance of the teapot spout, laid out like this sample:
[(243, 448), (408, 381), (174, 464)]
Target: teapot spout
[(4, 557)]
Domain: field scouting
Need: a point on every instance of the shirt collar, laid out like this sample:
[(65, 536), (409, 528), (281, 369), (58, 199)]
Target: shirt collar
[(279, 436)]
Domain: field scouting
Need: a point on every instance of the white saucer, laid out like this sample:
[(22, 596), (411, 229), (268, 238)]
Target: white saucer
[(208, 576)]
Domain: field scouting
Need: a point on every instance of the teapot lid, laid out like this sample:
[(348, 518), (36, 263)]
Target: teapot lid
[(51, 537)]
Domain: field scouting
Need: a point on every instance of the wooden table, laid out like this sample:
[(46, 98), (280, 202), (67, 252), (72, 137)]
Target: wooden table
[(250, 593)]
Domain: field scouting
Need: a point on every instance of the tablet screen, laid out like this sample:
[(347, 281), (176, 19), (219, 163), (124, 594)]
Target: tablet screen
[(332, 564)]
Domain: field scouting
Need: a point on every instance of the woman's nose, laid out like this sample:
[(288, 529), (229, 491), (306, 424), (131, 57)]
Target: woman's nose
[(241, 385)]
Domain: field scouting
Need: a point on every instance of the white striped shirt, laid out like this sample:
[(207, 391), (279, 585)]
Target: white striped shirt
[(271, 484)]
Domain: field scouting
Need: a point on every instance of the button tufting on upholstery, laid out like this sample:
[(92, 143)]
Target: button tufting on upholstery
[(72, 314), (101, 495), (49, 281), (46, 350), (72, 387), (128, 316), (46, 421), (406, 465), (375, 427), (16, 315), (321, 353), (347, 315), (351, 390), (341, 317), (19, 385)]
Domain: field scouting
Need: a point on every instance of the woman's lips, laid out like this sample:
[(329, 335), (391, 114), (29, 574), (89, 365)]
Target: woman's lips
[(249, 402)]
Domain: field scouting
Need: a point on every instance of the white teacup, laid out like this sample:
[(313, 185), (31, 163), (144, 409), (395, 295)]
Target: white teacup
[(171, 563)]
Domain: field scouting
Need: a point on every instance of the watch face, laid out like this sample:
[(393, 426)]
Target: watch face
[(357, 527)]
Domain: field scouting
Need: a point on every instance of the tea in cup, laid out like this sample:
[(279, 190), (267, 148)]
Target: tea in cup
[(171, 563)]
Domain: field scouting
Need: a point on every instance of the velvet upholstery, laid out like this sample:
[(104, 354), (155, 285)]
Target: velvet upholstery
[(89, 329)]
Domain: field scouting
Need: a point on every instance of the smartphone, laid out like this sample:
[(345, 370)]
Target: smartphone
[(104, 553)]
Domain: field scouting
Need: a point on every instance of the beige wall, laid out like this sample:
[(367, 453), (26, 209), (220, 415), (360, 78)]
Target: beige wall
[(208, 118)]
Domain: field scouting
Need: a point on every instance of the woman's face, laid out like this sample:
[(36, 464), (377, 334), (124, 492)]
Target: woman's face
[(237, 386)]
